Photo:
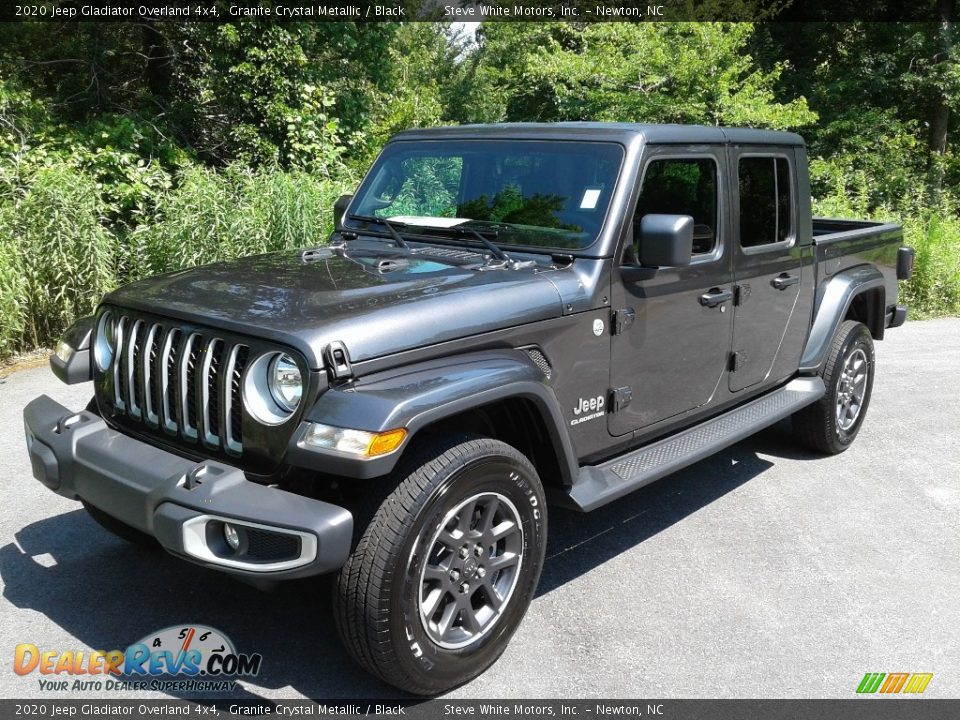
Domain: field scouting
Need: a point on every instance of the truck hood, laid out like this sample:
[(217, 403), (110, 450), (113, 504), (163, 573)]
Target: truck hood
[(375, 302)]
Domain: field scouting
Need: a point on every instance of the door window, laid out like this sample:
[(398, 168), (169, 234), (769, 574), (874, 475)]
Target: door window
[(766, 205), (683, 186)]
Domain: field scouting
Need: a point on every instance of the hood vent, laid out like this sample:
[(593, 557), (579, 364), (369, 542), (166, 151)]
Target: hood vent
[(314, 254), (386, 266)]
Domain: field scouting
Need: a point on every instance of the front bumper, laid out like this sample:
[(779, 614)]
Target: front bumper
[(185, 504)]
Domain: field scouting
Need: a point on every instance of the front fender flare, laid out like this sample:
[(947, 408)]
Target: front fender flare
[(835, 298), (419, 395)]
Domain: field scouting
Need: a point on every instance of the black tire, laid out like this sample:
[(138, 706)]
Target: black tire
[(822, 426), (402, 563), (119, 528)]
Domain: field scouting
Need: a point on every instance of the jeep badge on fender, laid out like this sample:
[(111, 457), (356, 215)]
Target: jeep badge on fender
[(389, 406)]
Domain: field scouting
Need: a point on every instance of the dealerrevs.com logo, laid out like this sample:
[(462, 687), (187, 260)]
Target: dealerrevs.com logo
[(178, 658)]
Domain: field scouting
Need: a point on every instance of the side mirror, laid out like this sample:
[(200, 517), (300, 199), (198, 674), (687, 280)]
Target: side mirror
[(339, 208), (71, 360), (665, 240)]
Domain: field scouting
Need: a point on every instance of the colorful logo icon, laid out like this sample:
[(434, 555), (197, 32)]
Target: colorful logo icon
[(204, 655), (892, 683), (192, 650)]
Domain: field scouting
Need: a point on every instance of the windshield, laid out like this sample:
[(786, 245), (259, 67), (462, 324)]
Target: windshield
[(539, 194)]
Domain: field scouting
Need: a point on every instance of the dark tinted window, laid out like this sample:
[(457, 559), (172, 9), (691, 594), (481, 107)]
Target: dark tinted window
[(765, 200), (683, 187)]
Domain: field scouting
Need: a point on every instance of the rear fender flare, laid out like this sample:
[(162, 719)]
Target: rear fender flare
[(835, 299)]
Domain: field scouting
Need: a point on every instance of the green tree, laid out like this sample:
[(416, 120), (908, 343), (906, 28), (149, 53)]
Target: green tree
[(651, 72)]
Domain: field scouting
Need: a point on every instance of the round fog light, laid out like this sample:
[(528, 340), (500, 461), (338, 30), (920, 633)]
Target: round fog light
[(231, 536)]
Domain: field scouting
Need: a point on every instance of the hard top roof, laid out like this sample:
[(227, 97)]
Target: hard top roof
[(616, 132)]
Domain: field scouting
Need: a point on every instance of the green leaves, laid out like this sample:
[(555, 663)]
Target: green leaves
[(646, 72)]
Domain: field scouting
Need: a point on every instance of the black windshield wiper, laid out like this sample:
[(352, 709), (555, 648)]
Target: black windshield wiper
[(495, 250), (392, 227)]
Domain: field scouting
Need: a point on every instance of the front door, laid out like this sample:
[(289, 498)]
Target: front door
[(673, 355), (767, 265)]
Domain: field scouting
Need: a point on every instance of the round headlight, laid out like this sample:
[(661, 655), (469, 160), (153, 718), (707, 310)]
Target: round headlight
[(285, 382), (105, 342)]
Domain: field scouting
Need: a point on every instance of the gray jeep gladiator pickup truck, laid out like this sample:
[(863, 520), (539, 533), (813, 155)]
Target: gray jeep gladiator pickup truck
[(503, 314)]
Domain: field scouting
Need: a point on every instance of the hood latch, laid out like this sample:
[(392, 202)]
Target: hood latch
[(337, 359)]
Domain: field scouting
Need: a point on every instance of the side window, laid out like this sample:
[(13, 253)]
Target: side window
[(765, 200), (683, 187)]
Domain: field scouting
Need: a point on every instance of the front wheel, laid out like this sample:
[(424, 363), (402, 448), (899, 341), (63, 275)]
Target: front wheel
[(443, 574), (831, 424)]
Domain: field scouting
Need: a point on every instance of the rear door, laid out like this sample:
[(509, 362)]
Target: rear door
[(672, 354), (767, 261)]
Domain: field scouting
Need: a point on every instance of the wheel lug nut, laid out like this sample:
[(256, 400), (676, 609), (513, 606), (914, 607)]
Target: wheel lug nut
[(481, 571), (454, 575), (463, 552), (478, 551), (465, 588)]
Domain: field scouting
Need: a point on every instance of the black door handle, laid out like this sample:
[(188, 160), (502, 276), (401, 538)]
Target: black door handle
[(783, 281), (715, 297)]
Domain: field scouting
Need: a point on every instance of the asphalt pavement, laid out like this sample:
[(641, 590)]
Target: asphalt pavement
[(763, 572)]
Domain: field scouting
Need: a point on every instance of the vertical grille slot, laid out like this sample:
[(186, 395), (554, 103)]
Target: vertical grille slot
[(134, 380), (151, 370), (187, 387), (210, 392), (119, 385), (168, 381), (186, 383), (233, 401)]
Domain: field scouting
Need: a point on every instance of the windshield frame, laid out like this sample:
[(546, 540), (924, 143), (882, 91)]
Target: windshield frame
[(413, 234)]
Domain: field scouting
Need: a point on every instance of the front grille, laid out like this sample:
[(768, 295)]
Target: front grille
[(186, 383)]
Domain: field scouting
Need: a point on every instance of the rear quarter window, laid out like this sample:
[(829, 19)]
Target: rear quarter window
[(766, 200)]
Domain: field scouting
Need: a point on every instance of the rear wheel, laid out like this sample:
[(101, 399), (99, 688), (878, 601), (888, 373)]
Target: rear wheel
[(444, 572), (831, 424)]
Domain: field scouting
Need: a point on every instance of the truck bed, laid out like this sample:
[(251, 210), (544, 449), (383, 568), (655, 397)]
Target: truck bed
[(840, 244), (855, 241), (824, 229)]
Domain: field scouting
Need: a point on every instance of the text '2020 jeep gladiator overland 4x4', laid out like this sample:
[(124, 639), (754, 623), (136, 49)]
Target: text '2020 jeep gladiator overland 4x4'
[(581, 308)]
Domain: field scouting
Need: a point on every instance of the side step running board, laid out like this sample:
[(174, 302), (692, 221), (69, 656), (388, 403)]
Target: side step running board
[(599, 484)]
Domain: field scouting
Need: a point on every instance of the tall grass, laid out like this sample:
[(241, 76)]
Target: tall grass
[(59, 253), (214, 216), (12, 286), (934, 288), (56, 257), (933, 232)]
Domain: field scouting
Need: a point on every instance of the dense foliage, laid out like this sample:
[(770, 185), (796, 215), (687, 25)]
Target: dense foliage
[(130, 149)]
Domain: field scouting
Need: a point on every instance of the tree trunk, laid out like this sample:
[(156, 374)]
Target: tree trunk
[(95, 53), (159, 66), (940, 111)]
